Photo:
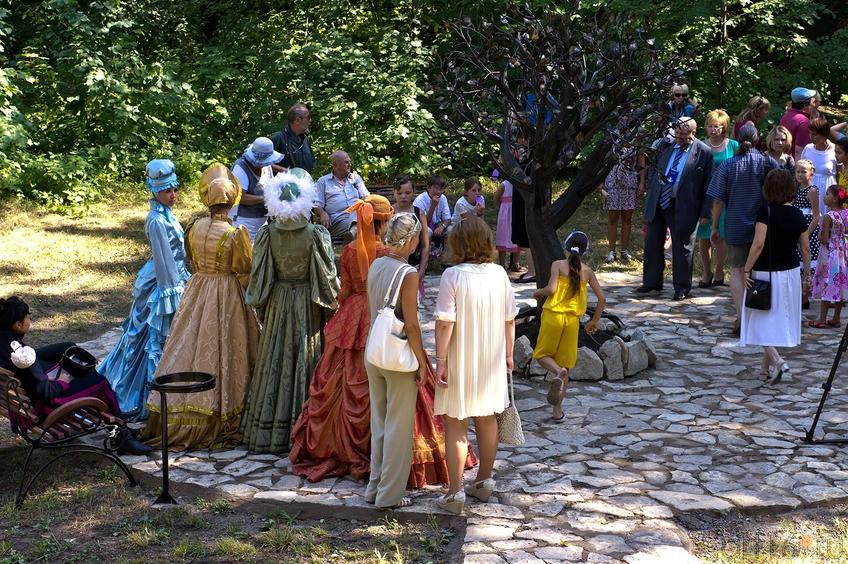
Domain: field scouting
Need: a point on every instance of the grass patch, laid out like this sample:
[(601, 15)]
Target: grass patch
[(189, 548), (76, 273), (235, 548), (217, 507), (77, 513), (814, 536)]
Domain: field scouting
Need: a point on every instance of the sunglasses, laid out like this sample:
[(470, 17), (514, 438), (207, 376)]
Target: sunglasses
[(680, 95)]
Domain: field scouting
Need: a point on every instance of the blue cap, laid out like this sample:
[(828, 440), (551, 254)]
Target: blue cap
[(577, 242), (161, 175), (802, 94)]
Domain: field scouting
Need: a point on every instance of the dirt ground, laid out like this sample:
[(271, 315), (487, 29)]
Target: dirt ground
[(84, 512), (818, 535)]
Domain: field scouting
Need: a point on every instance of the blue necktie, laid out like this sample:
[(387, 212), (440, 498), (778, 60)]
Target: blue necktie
[(665, 195)]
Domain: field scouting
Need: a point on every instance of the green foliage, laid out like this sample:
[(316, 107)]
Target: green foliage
[(92, 89), (740, 48), (107, 85)]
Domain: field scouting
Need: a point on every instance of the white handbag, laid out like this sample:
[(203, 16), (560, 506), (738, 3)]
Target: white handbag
[(387, 346)]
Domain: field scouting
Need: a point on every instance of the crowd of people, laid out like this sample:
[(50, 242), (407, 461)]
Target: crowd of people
[(253, 293), (770, 209)]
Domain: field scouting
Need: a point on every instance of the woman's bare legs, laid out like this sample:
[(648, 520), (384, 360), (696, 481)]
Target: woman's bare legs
[(561, 374), (720, 254), (704, 248), (486, 429), (626, 229), (612, 228), (456, 450)]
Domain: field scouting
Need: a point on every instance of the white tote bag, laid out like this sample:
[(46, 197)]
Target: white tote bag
[(387, 346)]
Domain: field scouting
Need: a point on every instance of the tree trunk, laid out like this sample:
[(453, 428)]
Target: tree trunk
[(541, 232)]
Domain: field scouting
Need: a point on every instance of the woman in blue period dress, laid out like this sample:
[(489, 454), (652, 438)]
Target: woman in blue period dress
[(156, 295), (292, 285)]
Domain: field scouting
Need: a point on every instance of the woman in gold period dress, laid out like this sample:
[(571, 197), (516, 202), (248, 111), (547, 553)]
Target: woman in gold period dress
[(213, 330), (292, 286)]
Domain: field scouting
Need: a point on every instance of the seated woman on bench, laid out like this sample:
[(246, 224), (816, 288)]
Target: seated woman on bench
[(77, 377)]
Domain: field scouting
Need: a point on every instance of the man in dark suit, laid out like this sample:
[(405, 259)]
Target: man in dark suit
[(676, 200)]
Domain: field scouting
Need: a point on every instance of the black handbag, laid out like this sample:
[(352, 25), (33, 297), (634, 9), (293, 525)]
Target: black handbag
[(758, 296)]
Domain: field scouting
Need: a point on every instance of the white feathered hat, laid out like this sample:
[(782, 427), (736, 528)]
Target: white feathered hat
[(290, 195)]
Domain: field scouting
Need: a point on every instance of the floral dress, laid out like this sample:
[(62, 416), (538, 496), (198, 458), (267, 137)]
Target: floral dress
[(830, 283), (802, 202), (622, 183)]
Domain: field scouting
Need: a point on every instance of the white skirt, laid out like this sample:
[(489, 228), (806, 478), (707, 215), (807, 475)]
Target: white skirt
[(779, 326)]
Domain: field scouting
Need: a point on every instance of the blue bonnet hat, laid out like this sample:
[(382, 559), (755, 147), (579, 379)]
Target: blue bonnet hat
[(802, 94), (161, 175)]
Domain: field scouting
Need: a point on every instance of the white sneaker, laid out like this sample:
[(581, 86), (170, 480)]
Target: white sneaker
[(611, 257), (626, 256)]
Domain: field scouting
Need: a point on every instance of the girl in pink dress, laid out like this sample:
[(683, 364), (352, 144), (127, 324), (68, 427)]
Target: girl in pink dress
[(503, 235), (830, 284)]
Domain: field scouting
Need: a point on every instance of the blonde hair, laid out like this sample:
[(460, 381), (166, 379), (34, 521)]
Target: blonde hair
[(753, 105), (722, 118), (472, 241), (682, 87), (807, 163), (774, 131), (401, 229)]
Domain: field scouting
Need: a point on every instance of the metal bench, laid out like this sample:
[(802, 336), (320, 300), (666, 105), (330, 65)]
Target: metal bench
[(61, 429)]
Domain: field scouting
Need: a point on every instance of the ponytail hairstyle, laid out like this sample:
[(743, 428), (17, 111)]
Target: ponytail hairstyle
[(747, 137), (840, 193), (575, 245), (12, 310)]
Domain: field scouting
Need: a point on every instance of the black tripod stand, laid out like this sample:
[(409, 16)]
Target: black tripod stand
[(843, 345)]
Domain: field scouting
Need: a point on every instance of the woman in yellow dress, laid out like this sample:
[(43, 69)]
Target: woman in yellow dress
[(556, 346), (213, 330)]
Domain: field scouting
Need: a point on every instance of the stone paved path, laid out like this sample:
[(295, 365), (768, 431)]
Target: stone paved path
[(698, 433)]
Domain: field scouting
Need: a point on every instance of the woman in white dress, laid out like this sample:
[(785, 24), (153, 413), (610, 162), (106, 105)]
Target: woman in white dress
[(475, 334), (780, 230), (821, 152)]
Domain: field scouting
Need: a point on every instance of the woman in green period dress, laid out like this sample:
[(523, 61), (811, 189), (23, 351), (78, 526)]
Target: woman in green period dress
[(292, 279)]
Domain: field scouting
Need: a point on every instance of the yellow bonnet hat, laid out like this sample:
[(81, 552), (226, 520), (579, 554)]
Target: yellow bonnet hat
[(219, 186)]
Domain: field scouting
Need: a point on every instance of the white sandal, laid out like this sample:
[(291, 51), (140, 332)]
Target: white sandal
[(481, 490), (454, 503)]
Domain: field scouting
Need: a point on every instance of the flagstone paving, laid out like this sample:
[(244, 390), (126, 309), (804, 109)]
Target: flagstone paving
[(699, 434)]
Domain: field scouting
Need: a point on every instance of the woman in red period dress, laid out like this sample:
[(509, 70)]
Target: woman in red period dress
[(332, 436)]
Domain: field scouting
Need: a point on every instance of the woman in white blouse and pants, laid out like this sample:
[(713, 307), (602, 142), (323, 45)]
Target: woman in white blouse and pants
[(475, 333)]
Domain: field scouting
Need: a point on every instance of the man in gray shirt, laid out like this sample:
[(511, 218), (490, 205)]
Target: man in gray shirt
[(337, 191)]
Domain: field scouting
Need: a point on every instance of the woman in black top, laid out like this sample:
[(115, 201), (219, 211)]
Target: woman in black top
[(779, 231)]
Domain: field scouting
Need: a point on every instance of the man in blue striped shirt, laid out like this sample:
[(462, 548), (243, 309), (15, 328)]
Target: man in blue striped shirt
[(738, 187)]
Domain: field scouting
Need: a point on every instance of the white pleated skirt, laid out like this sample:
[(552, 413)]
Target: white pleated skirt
[(779, 326)]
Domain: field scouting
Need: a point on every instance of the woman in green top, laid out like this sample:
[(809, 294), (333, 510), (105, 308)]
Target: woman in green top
[(718, 125), (292, 285)]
